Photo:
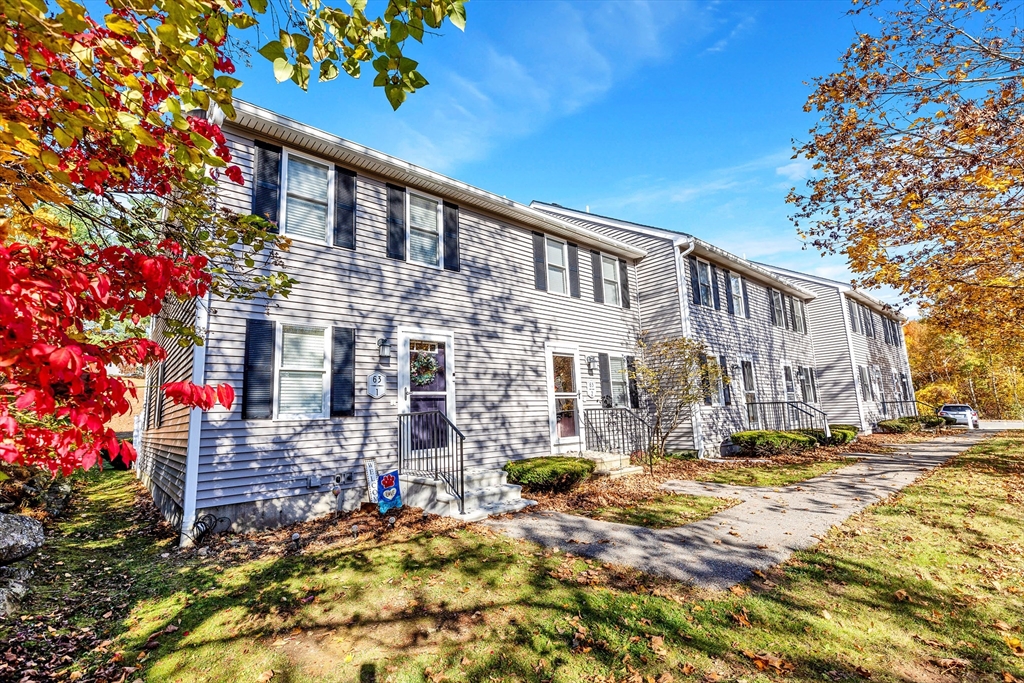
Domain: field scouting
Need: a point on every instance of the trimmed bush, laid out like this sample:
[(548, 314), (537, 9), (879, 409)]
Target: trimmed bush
[(933, 421), (766, 442), (899, 426), (849, 428), (840, 435), (554, 473)]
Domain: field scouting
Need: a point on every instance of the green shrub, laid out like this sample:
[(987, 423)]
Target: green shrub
[(766, 442), (553, 473), (899, 426), (933, 421), (854, 428), (840, 434)]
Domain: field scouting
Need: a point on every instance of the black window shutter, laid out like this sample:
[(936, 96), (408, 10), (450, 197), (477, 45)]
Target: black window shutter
[(885, 331), (540, 273), (694, 281), (266, 188), (728, 293), (746, 299), (451, 237), (598, 278), (634, 391), (158, 419), (396, 222), (606, 379), (726, 390), (788, 313), (771, 305), (343, 371), (344, 208), (624, 282), (714, 289), (574, 270), (258, 375)]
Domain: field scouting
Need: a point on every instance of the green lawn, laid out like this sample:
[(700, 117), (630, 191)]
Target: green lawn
[(926, 587), (663, 512), (775, 475)]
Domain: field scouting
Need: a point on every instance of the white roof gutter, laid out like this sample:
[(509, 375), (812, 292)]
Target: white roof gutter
[(262, 122)]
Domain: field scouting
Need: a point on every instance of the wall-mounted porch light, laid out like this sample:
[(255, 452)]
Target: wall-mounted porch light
[(591, 364), (383, 348)]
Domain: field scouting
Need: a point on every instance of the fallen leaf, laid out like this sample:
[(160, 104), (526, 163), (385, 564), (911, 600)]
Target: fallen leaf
[(266, 676), (764, 662), (862, 672), (686, 668), (1002, 626), (950, 663), (665, 677), (1009, 678), (742, 618), (826, 615), (1015, 645), (738, 590), (902, 596)]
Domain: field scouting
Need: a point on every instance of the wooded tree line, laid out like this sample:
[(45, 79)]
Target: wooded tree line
[(950, 368), (918, 159)]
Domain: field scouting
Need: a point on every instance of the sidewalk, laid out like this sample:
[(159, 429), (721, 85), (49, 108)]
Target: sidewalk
[(764, 530)]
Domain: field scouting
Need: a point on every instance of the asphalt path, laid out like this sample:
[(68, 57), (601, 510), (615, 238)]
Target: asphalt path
[(765, 529)]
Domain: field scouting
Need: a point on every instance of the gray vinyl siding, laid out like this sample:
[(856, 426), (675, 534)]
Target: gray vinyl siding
[(738, 338), (875, 352), (162, 453), (831, 331), (500, 324)]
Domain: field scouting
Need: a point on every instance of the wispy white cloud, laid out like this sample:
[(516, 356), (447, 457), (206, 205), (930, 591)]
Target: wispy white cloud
[(796, 170), (552, 63), (742, 26)]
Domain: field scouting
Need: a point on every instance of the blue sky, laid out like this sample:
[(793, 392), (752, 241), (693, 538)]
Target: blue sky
[(674, 114)]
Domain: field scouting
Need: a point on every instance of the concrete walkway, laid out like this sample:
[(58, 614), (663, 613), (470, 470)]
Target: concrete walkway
[(764, 530)]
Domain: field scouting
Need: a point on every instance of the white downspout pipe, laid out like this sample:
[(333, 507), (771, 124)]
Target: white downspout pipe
[(684, 307)]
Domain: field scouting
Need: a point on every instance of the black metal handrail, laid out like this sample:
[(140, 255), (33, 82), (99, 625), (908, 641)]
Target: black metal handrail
[(616, 430), (430, 445), (787, 415)]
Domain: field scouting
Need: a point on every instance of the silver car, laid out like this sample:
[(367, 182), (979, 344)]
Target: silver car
[(961, 413)]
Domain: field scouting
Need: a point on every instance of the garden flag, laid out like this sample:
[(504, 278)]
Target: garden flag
[(389, 496)]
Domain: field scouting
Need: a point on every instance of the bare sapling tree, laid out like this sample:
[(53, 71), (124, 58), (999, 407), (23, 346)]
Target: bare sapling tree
[(673, 376)]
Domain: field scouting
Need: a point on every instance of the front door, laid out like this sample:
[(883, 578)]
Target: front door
[(563, 396), (750, 394), (426, 386)]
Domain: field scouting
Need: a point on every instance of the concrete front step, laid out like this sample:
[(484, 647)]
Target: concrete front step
[(612, 465), (487, 492)]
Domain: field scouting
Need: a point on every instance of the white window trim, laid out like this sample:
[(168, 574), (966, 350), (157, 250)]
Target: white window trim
[(325, 413), (781, 310), (718, 391), (565, 268), (736, 287), (408, 228), (405, 335), (711, 284), (618, 282), (625, 369), (286, 155), (560, 444)]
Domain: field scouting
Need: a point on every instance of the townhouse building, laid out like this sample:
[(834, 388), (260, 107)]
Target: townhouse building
[(862, 363), (434, 327), (753, 323)]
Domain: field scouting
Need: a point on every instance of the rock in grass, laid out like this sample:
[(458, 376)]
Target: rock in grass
[(20, 536)]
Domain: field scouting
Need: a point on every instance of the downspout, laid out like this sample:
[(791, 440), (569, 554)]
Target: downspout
[(195, 424), (684, 316)]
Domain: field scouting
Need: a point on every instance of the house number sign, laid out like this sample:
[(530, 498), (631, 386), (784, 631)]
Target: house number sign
[(376, 385)]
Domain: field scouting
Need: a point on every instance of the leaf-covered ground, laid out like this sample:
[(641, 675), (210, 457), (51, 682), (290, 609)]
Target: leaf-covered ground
[(928, 586)]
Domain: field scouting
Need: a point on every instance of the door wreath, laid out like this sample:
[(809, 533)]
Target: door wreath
[(424, 368)]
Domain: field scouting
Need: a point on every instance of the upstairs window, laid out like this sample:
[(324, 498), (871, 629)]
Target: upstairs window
[(778, 308), (704, 281), (557, 268), (736, 294), (610, 279), (854, 314), (424, 230), (800, 316), (307, 199)]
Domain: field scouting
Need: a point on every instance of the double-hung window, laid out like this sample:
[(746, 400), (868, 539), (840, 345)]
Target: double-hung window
[(865, 382), (307, 206), (424, 230), (557, 266), (736, 288), (805, 378), (787, 375), (610, 277), (779, 308), (302, 378), (704, 280), (854, 312), (715, 390), (620, 381), (799, 316)]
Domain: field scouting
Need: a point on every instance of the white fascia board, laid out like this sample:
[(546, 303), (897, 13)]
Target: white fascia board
[(254, 120), (844, 287), (701, 247)]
